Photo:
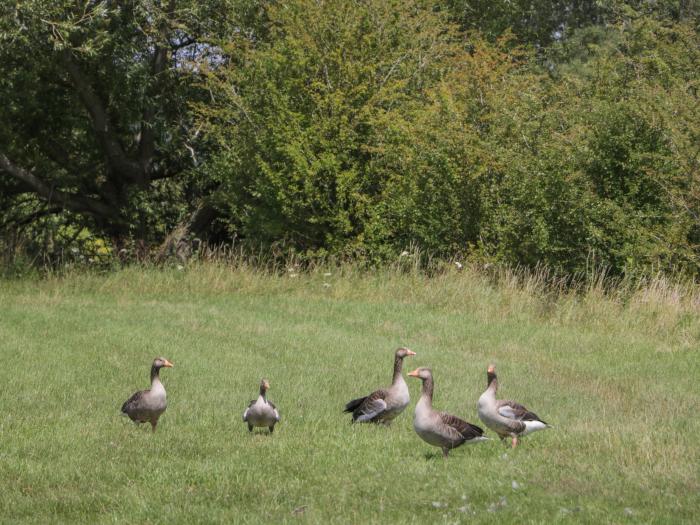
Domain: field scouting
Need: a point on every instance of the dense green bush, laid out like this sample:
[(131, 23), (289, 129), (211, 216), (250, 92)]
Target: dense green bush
[(399, 130), (563, 134)]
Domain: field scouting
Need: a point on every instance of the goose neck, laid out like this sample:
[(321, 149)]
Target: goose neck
[(492, 382), (398, 365), (426, 395)]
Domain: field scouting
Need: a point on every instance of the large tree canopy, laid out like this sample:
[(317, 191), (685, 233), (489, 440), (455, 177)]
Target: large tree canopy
[(96, 105), (527, 132)]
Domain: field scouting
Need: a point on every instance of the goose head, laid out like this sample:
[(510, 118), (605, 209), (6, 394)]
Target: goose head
[(490, 374), (404, 352), (264, 386), (160, 362), (422, 373)]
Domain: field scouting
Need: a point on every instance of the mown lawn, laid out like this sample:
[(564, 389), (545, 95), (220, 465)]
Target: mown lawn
[(619, 381)]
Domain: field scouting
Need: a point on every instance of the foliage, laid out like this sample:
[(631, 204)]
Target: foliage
[(556, 133), (96, 104)]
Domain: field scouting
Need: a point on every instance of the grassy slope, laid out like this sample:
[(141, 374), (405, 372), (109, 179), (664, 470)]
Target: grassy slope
[(619, 384)]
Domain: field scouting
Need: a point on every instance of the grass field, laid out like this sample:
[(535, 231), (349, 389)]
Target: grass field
[(617, 376)]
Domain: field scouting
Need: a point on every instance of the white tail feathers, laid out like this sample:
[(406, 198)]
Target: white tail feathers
[(534, 426)]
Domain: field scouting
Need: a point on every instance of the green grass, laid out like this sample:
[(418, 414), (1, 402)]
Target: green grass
[(618, 379)]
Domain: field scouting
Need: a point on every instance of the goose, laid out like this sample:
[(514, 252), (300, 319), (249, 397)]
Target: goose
[(148, 405), (260, 411), (506, 418), (439, 428), (383, 405)]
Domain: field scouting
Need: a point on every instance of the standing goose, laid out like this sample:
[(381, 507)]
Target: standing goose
[(439, 428), (506, 418), (383, 405), (147, 405), (260, 411)]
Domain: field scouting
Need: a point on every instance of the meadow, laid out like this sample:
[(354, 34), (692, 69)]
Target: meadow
[(616, 373)]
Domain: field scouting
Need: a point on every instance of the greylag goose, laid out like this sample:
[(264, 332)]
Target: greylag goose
[(439, 428), (260, 411), (506, 418), (383, 405), (148, 405)]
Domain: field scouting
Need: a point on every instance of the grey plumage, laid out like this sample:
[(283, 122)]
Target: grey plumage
[(440, 429), (383, 405), (146, 406), (260, 411)]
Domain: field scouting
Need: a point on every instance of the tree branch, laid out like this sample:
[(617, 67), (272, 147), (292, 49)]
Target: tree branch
[(70, 201), (31, 217), (147, 145), (101, 123)]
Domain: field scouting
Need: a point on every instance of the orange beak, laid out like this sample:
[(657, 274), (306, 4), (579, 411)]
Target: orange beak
[(414, 373), (491, 369), (410, 352), (168, 364)]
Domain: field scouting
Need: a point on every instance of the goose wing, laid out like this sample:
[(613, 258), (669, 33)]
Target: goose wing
[(134, 401), (371, 407), (274, 408), (351, 406), (516, 411), (466, 430), (245, 414)]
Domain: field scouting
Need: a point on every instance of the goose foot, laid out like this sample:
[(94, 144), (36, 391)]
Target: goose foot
[(514, 442)]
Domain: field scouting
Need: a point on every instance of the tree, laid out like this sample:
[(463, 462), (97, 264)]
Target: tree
[(96, 108)]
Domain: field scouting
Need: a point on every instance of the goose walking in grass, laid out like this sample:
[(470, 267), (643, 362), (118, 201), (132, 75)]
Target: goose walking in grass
[(383, 405), (439, 428), (260, 411), (148, 405), (506, 418)]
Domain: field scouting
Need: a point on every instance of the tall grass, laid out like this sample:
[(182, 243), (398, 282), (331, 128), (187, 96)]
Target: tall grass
[(614, 366)]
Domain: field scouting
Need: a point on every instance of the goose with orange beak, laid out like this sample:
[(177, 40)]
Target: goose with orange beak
[(440, 429), (383, 405), (260, 411), (146, 406), (506, 418)]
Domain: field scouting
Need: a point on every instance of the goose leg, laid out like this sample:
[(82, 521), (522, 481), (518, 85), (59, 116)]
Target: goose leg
[(445, 452), (250, 427), (272, 428), (154, 422), (514, 442)]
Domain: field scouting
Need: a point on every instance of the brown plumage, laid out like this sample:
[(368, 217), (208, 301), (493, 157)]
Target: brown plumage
[(440, 428), (505, 417), (146, 406), (260, 411), (383, 405)]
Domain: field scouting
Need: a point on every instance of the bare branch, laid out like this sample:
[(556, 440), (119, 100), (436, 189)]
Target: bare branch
[(159, 62), (70, 201), (101, 123), (31, 217)]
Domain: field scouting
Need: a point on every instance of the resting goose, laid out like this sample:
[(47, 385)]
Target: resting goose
[(147, 405), (439, 428), (383, 405), (506, 418), (260, 411)]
